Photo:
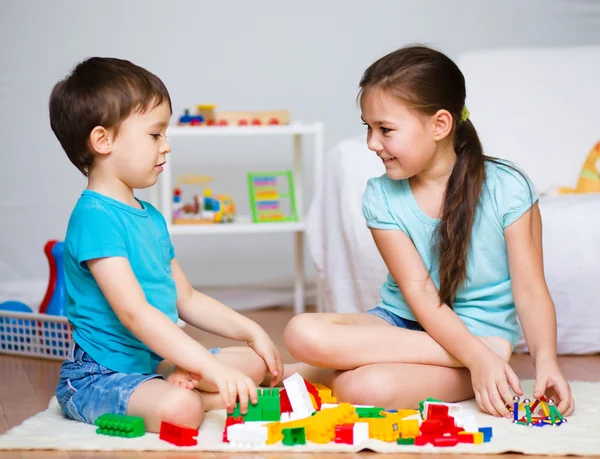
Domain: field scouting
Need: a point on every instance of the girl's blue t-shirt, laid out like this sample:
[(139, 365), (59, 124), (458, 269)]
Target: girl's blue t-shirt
[(485, 302), (103, 227)]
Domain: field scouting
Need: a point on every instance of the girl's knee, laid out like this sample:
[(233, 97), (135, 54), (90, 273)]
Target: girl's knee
[(499, 345), (302, 336), (364, 386), (183, 407)]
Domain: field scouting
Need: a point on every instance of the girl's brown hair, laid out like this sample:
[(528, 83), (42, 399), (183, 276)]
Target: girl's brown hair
[(428, 81)]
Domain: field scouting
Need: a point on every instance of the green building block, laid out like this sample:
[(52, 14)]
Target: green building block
[(294, 436), (406, 441), (267, 409), (370, 412), (119, 425)]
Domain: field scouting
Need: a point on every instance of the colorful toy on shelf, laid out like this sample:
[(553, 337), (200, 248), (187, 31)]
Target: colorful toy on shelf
[(207, 116), (272, 197), (551, 415), (205, 207)]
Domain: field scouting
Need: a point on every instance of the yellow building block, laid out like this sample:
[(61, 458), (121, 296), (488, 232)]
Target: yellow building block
[(409, 428), (385, 429), (478, 437), (325, 393)]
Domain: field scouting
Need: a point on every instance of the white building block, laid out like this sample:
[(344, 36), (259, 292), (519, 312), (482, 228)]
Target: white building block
[(360, 433), (243, 434), (467, 422), (299, 397)]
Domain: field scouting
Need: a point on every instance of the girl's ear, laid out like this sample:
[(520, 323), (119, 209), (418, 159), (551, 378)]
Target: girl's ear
[(101, 140), (442, 124)]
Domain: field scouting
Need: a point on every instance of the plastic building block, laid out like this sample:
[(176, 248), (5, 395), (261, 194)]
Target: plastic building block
[(344, 434), (406, 441), (294, 436), (464, 437), (409, 428), (298, 395), (451, 440), (370, 412), (325, 393), (178, 435), (487, 433), (119, 425), (360, 432), (247, 434), (229, 422), (437, 411), (478, 438), (267, 408)]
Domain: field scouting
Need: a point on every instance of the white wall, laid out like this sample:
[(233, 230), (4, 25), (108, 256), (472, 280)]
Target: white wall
[(306, 56)]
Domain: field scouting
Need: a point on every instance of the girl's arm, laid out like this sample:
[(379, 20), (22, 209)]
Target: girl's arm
[(491, 376), (534, 305)]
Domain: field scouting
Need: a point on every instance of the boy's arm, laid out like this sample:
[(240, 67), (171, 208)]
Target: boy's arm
[(127, 299), (213, 316), (208, 314), (535, 306)]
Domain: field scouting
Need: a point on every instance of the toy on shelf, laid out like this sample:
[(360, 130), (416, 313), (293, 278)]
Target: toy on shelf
[(589, 178), (305, 418), (207, 116), (272, 197), (205, 207), (551, 415)]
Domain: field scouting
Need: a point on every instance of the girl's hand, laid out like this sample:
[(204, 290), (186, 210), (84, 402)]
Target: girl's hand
[(231, 384), (549, 381), (492, 379), (266, 349)]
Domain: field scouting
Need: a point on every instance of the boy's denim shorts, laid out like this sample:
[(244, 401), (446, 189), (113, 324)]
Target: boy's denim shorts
[(395, 320), (86, 390)]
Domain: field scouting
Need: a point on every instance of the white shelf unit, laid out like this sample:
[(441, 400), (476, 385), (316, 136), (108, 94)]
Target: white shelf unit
[(162, 195)]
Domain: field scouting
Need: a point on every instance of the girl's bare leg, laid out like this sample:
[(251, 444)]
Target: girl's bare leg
[(349, 341)]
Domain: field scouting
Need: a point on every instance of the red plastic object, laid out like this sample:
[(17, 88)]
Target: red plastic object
[(465, 438), (243, 122), (315, 393), (52, 280), (223, 123), (256, 122), (177, 435), (422, 440), (210, 123), (284, 402), (273, 121), (446, 441), (195, 123), (437, 412), (432, 427), (229, 422), (344, 433)]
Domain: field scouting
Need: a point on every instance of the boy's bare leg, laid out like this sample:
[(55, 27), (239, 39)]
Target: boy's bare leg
[(156, 400)]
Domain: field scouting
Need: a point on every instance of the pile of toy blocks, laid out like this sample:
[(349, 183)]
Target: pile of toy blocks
[(304, 412), (550, 414)]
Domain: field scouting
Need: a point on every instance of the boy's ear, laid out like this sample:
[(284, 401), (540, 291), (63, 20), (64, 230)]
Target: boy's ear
[(101, 140), (442, 124)]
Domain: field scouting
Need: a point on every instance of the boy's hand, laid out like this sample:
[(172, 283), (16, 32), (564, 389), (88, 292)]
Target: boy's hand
[(231, 383), (182, 378), (549, 381), (492, 379), (264, 346)]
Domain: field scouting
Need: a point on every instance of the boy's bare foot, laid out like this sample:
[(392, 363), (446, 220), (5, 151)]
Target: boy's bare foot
[(182, 378)]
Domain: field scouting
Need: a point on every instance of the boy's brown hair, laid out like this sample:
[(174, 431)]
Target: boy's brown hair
[(100, 91)]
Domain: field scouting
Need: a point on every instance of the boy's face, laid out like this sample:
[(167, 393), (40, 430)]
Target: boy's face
[(139, 150)]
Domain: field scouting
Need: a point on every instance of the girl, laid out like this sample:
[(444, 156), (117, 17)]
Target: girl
[(461, 235)]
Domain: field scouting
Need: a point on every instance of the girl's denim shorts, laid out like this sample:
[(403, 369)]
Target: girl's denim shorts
[(394, 319), (86, 390)]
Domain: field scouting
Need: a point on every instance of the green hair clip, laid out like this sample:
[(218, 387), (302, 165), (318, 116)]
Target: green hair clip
[(464, 115)]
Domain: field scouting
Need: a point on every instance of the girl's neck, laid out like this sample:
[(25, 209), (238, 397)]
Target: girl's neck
[(438, 172)]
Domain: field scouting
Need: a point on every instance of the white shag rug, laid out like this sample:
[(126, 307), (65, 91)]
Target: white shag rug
[(579, 436)]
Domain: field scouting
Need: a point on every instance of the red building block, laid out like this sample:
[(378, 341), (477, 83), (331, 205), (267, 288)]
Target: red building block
[(177, 435), (344, 433), (465, 438), (437, 412), (446, 441)]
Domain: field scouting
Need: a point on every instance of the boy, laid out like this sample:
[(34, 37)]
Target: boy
[(125, 288)]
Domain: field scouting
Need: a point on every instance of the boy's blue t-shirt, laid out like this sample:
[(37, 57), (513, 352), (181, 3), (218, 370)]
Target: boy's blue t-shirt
[(103, 227), (485, 302)]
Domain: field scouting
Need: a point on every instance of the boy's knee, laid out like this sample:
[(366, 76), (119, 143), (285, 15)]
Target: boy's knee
[(183, 407), (302, 336), (257, 370)]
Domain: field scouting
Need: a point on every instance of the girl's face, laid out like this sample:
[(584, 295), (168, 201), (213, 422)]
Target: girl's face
[(403, 140)]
